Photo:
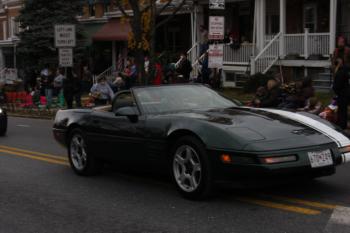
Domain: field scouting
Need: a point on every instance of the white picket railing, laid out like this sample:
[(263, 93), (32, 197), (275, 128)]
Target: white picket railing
[(267, 57), (294, 44), (318, 44), (306, 44), (239, 56), (108, 73)]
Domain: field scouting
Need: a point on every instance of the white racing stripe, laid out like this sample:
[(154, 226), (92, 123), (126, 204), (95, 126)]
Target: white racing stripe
[(333, 134)]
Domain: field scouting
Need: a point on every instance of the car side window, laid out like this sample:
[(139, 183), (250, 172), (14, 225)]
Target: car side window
[(123, 99)]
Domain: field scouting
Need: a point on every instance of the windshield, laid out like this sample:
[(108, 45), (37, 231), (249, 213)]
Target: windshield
[(154, 100)]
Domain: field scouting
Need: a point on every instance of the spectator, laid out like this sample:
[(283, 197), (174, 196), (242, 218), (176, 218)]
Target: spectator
[(341, 51), (272, 98), (48, 85), (184, 68), (205, 71), (86, 79), (102, 92), (58, 82), (342, 89), (130, 73), (203, 39), (71, 89), (159, 73), (261, 94), (313, 105)]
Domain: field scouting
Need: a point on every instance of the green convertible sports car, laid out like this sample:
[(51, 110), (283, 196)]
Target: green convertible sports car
[(200, 138)]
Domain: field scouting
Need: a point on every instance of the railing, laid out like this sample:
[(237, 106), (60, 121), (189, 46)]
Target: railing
[(239, 56), (107, 74), (318, 43), (306, 44), (267, 57), (294, 44)]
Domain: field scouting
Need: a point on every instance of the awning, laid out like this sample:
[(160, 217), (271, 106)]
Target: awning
[(114, 30)]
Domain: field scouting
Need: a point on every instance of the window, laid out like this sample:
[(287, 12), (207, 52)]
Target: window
[(123, 99), (310, 17), (106, 4), (92, 9)]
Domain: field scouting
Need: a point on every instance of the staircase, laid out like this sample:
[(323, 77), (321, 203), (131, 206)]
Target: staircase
[(323, 81), (267, 57)]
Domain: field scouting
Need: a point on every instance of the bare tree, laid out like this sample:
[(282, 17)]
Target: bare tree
[(142, 16)]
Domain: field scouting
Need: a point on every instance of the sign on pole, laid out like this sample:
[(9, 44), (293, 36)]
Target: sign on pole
[(217, 4), (65, 36), (216, 27), (216, 55), (65, 56)]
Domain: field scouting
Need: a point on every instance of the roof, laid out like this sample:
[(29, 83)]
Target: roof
[(114, 30)]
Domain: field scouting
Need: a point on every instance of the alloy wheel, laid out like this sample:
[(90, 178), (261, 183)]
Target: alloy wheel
[(78, 152), (187, 168)]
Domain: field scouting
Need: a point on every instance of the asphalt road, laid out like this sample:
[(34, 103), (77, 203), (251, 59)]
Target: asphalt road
[(39, 193)]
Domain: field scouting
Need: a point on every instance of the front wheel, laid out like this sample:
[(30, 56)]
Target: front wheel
[(191, 169), (80, 159)]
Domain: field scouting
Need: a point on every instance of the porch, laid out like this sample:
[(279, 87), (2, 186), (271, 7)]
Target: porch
[(282, 30)]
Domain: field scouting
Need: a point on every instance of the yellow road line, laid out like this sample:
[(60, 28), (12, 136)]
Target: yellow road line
[(33, 153), (35, 157), (304, 202), (280, 206)]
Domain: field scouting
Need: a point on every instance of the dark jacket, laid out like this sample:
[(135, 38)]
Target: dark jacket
[(341, 82), (272, 99)]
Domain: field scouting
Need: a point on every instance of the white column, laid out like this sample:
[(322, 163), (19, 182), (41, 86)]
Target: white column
[(306, 43), (2, 65), (261, 23), (332, 25), (114, 55), (282, 26)]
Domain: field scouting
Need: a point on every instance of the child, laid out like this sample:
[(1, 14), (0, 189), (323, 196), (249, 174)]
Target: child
[(330, 112), (313, 105), (260, 94)]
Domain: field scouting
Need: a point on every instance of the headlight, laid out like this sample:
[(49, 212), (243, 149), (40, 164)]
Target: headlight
[(1, 111)]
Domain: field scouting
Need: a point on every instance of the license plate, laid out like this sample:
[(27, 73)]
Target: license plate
[(320, 158)]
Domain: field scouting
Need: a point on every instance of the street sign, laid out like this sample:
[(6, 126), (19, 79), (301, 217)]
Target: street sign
[(216, 27), (65, 57), (217, 4), (65, 36), (216, 55)]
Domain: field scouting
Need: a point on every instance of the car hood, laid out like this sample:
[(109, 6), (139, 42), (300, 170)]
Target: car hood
[(259, 129)]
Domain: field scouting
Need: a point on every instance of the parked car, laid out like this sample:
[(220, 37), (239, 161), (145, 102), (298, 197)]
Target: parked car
[(3, 122), (200, 138)]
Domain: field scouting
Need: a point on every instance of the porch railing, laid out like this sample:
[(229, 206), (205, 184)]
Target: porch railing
[(306, 44), (267, 57), (318, 44), (240, 56), (105, 74)]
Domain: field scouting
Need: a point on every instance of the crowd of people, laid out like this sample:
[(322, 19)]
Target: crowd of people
[(300, 95)]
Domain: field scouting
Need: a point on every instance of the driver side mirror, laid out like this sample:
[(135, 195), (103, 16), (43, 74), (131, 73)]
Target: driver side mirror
[(130, 112)]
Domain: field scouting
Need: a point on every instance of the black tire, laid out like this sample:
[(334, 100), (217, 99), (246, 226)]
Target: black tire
[(91, 166), (3, 125), (205, 182)]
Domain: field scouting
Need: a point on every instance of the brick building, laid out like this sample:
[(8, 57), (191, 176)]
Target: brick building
[(9, 10)]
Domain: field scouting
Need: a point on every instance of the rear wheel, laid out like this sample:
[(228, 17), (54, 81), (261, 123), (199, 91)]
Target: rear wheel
[(80, 159), (191, 169)]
